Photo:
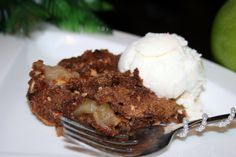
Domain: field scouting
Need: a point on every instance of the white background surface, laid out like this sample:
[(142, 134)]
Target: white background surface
[(23, 135)]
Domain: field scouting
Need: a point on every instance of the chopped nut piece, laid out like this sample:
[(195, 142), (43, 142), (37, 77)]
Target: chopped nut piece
[(84, 94), (49, 99), (93, 72), (31, 88)]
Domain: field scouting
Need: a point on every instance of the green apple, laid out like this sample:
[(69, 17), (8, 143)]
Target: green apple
[(223, 37)]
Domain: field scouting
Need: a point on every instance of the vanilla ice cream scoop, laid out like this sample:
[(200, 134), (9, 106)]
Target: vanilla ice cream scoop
[(167, 66)]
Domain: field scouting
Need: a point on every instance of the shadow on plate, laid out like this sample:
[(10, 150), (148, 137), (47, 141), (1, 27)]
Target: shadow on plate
[(82, 149)]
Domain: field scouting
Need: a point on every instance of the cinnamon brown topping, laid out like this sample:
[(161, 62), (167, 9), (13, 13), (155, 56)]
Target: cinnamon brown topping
[(120, 101)]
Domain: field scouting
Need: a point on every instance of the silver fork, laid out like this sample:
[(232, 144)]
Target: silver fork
[(144, 141)]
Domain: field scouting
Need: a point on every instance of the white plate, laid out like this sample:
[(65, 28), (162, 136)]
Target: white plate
[(23, 135)]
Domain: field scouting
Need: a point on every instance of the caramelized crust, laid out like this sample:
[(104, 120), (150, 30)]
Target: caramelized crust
[(118, 97), (46, 98), (91, 63), (136, 105)]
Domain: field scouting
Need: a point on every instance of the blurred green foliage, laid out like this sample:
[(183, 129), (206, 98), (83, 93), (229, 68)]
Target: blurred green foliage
[(21, 16)]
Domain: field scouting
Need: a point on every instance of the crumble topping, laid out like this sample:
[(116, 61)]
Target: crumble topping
[(91, 90)]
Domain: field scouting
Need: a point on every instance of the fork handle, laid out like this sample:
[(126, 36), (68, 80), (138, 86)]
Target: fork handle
[(201, 124)]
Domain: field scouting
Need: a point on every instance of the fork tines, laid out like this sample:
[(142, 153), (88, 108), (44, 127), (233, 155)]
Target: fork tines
[(80, 133)]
